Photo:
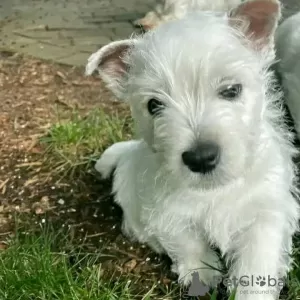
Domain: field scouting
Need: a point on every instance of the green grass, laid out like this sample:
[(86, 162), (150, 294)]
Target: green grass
[(32, 268), (80, 140), (294, 276)]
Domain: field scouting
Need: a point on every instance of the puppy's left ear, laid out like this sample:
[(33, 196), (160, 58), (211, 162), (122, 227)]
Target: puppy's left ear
[(257, 20), (111, 63)]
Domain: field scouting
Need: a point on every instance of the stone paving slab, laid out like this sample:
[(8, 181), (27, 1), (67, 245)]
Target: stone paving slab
[(67, 31)]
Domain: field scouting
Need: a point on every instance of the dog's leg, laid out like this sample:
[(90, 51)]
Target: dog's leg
[(129, 159), (110, 157), (135, 232), (191, 254), (259, 259)]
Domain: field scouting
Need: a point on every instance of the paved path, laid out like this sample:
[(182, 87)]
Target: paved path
[(67, 31)]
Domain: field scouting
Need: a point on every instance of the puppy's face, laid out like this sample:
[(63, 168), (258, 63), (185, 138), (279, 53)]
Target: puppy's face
[(196, 89)]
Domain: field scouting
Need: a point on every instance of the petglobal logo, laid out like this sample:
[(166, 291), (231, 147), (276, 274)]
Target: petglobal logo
[(257, 284), (259, 281)]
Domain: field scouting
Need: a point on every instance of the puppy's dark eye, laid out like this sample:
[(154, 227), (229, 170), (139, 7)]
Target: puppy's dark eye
[(231, 92), (154, 106)]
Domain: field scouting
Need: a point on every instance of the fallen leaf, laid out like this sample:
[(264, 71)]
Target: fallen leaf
[(3, 246), (166, 281), (130, 265)]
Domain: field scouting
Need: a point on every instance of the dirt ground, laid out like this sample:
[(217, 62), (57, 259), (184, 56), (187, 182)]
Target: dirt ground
[(32, 92)]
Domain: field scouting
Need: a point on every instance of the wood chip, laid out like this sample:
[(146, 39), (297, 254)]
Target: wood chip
[(3, 183), (30, 181), (61, 75)]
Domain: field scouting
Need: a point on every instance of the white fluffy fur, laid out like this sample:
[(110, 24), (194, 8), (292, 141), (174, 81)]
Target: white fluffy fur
[(167, 10), (288, 53), (245, 206)]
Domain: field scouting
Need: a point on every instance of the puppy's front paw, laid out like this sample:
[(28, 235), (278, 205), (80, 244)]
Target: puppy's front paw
[(207, 271), (174, 268), (108, 160), (104, 166), (207, 278), (111, 156)]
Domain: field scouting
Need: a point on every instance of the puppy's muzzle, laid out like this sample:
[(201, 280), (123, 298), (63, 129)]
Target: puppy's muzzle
[(203, 158)]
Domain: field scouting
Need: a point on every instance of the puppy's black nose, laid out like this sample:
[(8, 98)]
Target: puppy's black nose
[(202, 159)]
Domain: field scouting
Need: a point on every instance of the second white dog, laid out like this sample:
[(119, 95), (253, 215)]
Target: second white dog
[(213, 165), (288, 53), (168, 10)]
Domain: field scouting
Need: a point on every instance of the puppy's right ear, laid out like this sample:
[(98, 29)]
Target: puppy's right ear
[(111, 63)]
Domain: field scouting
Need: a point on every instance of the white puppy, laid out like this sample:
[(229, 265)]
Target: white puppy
[(288, 53), (167, 10), (213, 165)]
